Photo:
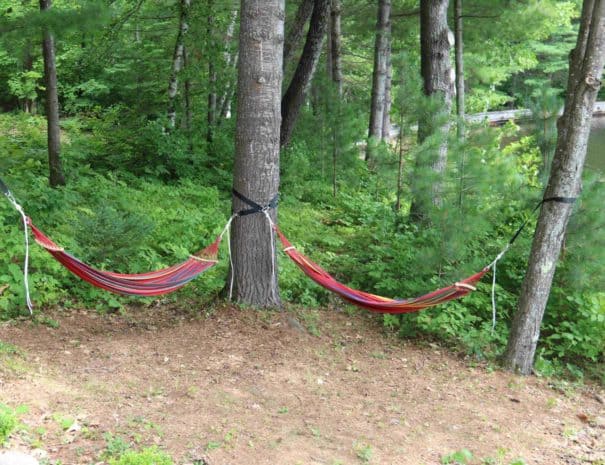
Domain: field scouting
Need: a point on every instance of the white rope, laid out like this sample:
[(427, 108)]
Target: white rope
[(227, 229), (492, 265), (271, 235), (18, 207)]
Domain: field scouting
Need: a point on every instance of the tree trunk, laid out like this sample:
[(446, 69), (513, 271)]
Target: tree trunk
[(336, 46), (256, 170), (436, 73), (586, 66), (295, 33), (177, 61), (379, 76), (188, 110), (224, 104), (459, 52), (295, 95), (211, 114), (56, 177), (386, 114), (229, 93)]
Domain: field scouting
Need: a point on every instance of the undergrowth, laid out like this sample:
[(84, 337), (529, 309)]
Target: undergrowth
[(134, 220)]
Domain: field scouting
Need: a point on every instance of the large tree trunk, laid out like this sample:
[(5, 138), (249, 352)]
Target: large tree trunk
[(459, 52), (295, 95), (437, 79), (178, 59), (297, 29), (586, 66), (256, 171), (336, 46), (56, 177), (379, 76)]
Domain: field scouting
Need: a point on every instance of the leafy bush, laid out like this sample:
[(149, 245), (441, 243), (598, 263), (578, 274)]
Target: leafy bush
[(149, 456)]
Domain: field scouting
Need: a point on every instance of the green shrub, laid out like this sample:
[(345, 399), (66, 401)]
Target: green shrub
[(149, 456)]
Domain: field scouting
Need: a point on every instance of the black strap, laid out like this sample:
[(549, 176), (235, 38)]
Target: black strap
[(255, 207), (568, 200), (4, 188)]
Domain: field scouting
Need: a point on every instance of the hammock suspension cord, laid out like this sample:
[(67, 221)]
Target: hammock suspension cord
[(9, 195), (174, 277)]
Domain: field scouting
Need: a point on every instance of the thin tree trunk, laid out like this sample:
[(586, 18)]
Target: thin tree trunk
[(229, 93), (256, 170), (436, 73), (336, 46), (379, 75), (56, 176), (188, 113), (297, 30), (586, 66), (177, 61), (211, 114), (459, 51), (224, 103), (295, 95), (386, 115)]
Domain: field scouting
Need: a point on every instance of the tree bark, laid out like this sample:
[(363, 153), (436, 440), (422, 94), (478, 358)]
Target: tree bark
[(459, 52), (586, 66), (379, 75), (212, 100), (56, 176), (224, 103), (295, 33), (295, 95), (336, 46), (256, 170), (436, 73), (178, 59), (386, 115)]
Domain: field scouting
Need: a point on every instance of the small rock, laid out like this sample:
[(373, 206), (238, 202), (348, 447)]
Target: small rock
[(17, 458)]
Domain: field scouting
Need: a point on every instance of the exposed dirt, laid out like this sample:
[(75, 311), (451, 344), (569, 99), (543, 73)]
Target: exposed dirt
[(245, 387)]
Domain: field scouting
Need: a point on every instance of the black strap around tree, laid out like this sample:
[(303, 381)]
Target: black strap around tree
[(255, 207), (558, 199)]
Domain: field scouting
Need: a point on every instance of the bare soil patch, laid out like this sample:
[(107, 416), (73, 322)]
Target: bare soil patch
[(245, 387)]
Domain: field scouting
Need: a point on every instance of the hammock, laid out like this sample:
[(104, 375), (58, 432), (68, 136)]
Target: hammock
[(145, 284), (373, 302)]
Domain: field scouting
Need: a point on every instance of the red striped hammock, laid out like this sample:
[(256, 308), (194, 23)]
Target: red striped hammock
[(373, 302), (145, 284)]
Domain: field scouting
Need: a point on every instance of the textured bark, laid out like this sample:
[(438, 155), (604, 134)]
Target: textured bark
[(295, 95), (297, 29), (256, 170), (336, 46), (56, 177), (212, 100), (379, 75), (386, 114), (459, 52), (178, 59), (436, 73), (586, 66)]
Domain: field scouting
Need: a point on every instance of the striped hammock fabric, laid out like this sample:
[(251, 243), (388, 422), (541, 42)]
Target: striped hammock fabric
[(373, 302), (146, 284)]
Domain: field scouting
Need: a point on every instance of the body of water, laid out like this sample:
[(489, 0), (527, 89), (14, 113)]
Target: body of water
[(595, 155)]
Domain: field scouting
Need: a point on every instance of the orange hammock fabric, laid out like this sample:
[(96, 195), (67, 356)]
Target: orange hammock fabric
[(373, 302)]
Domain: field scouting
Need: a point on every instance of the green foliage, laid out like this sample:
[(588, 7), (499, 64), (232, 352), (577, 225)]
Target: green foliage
[(460, 457), (149, 456), (9, 421)]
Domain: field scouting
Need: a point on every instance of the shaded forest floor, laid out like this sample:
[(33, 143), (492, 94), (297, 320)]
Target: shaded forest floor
[(245, 387)]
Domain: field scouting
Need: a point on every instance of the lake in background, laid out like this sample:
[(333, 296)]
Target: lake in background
[(595, 155)]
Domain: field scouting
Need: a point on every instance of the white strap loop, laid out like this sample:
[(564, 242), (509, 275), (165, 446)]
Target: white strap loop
[(18, 207)]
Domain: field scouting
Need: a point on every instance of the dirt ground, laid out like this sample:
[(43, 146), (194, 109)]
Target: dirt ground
[(246, 387)]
